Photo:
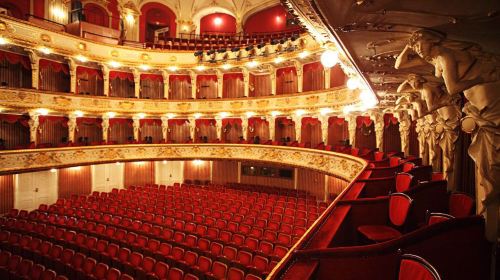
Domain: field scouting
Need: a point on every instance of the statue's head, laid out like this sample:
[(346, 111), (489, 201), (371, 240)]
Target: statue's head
[(416, 81), (422, 41)]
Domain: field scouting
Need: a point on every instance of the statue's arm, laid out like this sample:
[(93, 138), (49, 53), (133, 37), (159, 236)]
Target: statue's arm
[(450, 76), (404, 61)]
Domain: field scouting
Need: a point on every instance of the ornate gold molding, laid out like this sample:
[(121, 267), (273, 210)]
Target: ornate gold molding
[(27, 99), (339, 165)]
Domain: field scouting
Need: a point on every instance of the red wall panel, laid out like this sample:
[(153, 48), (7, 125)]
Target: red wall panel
[(6, 193), (75, 180), (224, 172), (217, 23), (139, 173), (272, 19), (197, 170)]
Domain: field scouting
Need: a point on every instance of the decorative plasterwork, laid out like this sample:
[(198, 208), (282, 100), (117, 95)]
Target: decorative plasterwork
[(23, 100), (339, 165)]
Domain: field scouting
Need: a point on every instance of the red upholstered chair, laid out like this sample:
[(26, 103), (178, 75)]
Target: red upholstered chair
[(190, 276), (235, 274), (100, 272), (48, 275), (219, 270), (460, 205), (175, 274), (260, 263), (23, 269), (160, 271), (434, 218), (244, 258), (113, 274), (416, 268), (204, 264), (252, 277), (229, 252), (403, 182), (399, 207), (408, 166)]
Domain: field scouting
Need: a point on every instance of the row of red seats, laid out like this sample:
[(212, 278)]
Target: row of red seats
[(16, 267)]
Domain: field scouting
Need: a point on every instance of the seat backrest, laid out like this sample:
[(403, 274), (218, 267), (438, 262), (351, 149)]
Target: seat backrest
[(204, 264), (434, 218), (460, 205), (416, 268), (403, 181), (190, 276), (260, 263), (101, 270), (399, 207), (161, 270), (235, 274), (48, 275), (219, 270), (113, 274), (244, 257), (148, 264), (175, 274)]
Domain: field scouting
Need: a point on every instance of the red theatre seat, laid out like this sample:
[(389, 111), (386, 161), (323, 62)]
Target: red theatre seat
[(399, 207), (460, 205), (403, 181), (416, 268)]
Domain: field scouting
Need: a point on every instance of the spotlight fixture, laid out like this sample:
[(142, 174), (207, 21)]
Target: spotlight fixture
[(223, 50), (198, 53), (249, 48), (294, 37), (261, 45), (282, 41), (275, 42), (235, 49), (210, 52)]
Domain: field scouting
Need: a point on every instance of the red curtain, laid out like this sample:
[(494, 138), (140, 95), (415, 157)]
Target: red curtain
[(197, 170), (54, 76), (365, 133), (233, 85), (314, 77), (89, 81), (337, 131), (206, 86), (311, 132), (15, 70), (231, 130), (6, 193), (151, 86), (88, 131), (52, 130), (151, 128), (413, 138), (284, 128), (180, 87), (286, 80), (14, 131), (75, 180), (258, 127), (121, 84), (312, 182), (139, 173), (259, 85), (392, 137), (178, 130), (121, 130), (337, 77), (335, 186), (205, 128), (224, 171)]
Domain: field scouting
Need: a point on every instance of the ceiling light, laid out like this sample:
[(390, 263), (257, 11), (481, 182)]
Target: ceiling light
[(217, 21), (170, 115), (78, 114), (252, 64), (329, 58), (275, 113), (200, 67), (58, 12), (250, 114), (223, 114), (3, 41), (130, 19), (300, 112), (278, 60), (347, 109), (75, 168), (81, 58), (114, 64), (45, 50), (325, 111), (164, 162), (353, 83), (145, 67), (198, 162), (368, 99), (53, 170), (227, 66), (197, 115), (118, 163), (42, 111), (303, 54), (141, 115), (172, 68), (111, 114)]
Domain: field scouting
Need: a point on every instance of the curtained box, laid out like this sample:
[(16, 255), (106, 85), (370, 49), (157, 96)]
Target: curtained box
[(94, 32)]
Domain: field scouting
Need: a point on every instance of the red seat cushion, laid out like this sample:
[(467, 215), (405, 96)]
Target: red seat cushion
[(379, 233), (411, 269)]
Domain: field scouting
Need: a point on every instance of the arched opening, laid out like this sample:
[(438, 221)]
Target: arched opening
[(156, 21), (218, 23), (96, 14)]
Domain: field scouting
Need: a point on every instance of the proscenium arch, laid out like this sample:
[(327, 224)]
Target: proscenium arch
[(342, 166)]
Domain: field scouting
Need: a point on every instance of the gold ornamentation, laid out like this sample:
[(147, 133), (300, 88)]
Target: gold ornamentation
[(145, 57), (46, 38), (114, 53), (82, 46), (62, 101), (126, 105)]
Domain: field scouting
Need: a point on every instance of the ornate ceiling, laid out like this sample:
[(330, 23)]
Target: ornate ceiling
[(374, 32)]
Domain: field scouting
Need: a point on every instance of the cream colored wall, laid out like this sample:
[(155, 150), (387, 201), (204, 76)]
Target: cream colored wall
[(105, 177), (168, 172), (35, 188)]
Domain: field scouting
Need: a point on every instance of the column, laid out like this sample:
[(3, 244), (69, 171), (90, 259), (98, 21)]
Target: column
[(300, 75), (325, 193), (273, 80), (244, 126), (33, 123), (193, 84), (164, 128), (420, 129), (71, 128), (239, 172), (72, 73), (272, 127), (220, 82), (324, 128), (378, 120), (34, 59), (246, 82), (327, 72), (298, 127), (137, 83), (136, 125), (352, 129), (192, 128), (295, 178), (105, 77), (218, 127), (105, 128), (404, 131), (166, 83)]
